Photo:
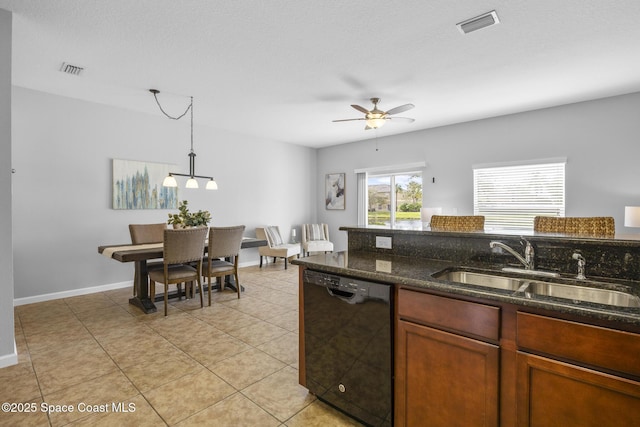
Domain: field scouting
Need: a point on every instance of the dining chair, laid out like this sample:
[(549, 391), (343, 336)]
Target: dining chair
[(142, 234), (181, 247), (595, 226), (457, 223), (315, 238), (224, 245)]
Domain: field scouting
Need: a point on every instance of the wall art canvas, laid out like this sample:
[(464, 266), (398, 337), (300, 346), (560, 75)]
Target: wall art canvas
[(334, 191), (138, 185)]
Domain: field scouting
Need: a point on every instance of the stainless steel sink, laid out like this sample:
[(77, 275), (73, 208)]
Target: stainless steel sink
[(598, 294), (481, 279), (584, 293)]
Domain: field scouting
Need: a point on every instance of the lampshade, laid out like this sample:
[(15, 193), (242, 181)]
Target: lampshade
[(169, 181), (632, 216), (191, 183), (375, 120), (211, 185)]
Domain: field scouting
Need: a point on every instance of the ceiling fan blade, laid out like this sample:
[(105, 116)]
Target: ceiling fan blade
[(361, 109), (346, 120), (401, 119), (401, 108)]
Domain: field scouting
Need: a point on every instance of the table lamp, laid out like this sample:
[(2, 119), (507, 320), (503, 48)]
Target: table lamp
[(427, 213), (632, 216)]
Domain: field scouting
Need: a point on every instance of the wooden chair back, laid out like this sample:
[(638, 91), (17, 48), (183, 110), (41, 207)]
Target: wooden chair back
[(147, 233), (225, 241), (184, 245)]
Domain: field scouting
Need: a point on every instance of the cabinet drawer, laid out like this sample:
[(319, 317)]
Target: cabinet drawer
[(587, 344), (467, 318)]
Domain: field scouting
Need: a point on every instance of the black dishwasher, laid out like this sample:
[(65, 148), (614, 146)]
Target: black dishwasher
[(347, 333)]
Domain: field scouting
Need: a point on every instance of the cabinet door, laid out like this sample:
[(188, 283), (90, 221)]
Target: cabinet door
[(552, 393), (444, 379)]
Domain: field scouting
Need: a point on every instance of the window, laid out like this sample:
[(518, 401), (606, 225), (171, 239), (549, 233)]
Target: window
[(394, 200), (510, 196)]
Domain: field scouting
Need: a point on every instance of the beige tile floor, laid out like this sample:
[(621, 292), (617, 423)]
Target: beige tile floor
[(232, 364)]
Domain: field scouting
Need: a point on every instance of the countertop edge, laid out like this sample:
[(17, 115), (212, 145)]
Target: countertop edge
[(327, 263)]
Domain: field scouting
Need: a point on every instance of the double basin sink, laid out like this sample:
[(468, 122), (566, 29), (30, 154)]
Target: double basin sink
[(579, 291)]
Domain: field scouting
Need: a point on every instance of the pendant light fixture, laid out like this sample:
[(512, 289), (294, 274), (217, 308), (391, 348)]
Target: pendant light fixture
[(170, 180)]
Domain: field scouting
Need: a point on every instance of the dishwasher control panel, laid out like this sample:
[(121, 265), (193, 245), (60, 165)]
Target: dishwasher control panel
[(321, 279), (356, 290)]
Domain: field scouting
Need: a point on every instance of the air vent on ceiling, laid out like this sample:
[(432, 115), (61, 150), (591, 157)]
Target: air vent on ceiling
[(71, 69), (485, 20)]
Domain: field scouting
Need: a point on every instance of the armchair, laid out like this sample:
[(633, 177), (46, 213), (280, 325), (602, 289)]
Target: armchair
[(276, 247), (315, 238)]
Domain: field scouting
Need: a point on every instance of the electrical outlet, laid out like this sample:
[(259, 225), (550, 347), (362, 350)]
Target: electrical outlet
[(383, 242), (383, 266)]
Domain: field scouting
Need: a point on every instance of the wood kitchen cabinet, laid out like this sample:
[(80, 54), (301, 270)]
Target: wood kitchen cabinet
[(574, 374), (447, 362), (467, 363)]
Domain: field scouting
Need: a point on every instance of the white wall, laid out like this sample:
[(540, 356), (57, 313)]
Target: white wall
[(600, 140), (7, 339), (62, 152)]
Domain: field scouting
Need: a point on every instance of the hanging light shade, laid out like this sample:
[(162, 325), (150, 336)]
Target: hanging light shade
[(375, 118), (212, 185), (170, 180), (375, 121)]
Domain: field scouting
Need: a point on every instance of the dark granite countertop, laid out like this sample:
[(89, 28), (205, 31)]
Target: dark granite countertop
[(416, 272), (620, 239)]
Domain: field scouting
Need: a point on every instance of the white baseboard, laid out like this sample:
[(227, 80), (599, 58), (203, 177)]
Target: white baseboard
[(85, 291), (71, 293), (9, 359), (248, 264)]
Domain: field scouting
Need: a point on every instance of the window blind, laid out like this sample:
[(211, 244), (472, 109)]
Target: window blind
[(511, 196)]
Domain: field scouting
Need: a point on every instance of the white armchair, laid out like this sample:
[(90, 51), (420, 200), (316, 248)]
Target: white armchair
[(276, 247), (315, 238)]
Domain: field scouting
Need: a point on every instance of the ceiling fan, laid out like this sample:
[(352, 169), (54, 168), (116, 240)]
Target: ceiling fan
[(377, 118)]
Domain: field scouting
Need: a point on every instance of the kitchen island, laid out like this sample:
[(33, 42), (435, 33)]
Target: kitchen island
[(475, 355)]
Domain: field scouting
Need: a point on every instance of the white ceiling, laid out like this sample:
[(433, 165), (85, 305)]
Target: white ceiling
[(284, 69)]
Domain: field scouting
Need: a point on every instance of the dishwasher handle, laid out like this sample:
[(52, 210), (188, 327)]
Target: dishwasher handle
[(343, 295)]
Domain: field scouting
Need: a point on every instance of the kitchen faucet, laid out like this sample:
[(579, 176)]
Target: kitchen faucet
[(581, 265), (529, 253)]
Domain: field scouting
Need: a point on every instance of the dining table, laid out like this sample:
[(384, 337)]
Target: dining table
[(140, 254)]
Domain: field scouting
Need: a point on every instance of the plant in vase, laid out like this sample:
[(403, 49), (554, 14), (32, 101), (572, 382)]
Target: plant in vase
[(184, 218), (200, 218)]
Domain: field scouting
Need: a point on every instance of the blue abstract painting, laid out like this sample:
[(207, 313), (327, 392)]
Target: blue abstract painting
[(138, 185)]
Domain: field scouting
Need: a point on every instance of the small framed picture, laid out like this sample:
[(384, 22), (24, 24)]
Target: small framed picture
[(334, 191)]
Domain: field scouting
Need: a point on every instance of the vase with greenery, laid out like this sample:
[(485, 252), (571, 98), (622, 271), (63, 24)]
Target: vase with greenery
[(184, 218)]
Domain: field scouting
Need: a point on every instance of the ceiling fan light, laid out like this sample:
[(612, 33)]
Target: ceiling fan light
[(376, 118), (169, 181), (375, 121), (191, 183), (211, 185)]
